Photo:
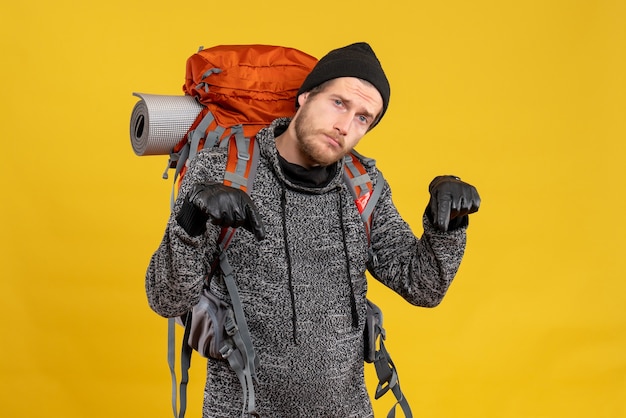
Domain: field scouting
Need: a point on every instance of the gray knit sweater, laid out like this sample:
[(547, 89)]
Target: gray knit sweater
[(300, 285)]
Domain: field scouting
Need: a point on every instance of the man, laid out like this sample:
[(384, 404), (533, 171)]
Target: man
[(300, 258)]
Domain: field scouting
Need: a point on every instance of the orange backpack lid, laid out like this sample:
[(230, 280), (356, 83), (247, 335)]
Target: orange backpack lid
[(247, 84)]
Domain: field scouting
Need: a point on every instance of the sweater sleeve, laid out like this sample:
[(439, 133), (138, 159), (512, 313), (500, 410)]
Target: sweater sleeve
[(180, 264), (419, 269)]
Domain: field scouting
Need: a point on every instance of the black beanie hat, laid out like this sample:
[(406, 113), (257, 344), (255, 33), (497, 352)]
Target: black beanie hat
[(356, 60)]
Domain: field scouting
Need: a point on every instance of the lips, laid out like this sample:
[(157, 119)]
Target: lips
[(334, 141)]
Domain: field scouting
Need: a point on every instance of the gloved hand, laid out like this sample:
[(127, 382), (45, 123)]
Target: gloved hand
[(225, 206), (451, 201)]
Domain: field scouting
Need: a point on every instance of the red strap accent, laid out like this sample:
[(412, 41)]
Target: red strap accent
[(361, 202)]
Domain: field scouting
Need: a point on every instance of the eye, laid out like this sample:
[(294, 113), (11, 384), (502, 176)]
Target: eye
[(338, 102), (364, 119)]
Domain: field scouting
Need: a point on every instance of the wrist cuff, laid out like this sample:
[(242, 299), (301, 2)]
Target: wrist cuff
[(191, 219), (457, 223)]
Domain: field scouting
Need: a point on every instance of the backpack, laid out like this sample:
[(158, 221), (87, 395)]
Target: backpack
[(241, 89)]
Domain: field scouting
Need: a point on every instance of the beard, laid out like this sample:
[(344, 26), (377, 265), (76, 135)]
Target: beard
[(317, 151)]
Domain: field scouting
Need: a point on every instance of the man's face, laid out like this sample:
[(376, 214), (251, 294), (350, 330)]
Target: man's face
[(331, 122)]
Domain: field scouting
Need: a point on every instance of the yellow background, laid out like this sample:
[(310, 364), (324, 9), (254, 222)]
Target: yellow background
[(526, 100)]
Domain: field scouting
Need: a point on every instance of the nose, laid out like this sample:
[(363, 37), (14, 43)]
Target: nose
[(343, 122)]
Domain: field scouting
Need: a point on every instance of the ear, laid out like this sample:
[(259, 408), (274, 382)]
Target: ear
[(302, 98)]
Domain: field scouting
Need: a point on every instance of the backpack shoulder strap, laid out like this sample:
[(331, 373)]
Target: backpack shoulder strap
[(243, 157), (242, 160), (365, 192)]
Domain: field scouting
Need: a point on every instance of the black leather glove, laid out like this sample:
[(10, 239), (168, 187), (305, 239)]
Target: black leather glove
[(224, 205), (451, 201)]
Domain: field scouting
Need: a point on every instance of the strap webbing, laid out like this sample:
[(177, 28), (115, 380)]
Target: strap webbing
[(190, 149), (199, 133), (185, 363), (243, 156), (363, 189), (182, 156), (245, 162), (214, 136), (249, 356), (388, 379), (371, 203), (171, 360), (355, 177)]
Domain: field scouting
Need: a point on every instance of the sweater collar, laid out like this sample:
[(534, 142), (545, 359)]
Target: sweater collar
[(315, 180)]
